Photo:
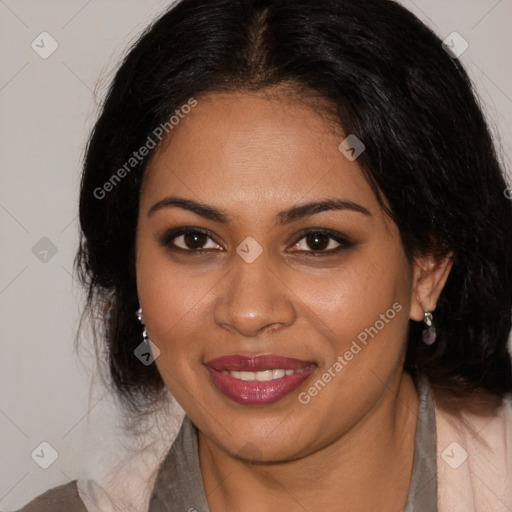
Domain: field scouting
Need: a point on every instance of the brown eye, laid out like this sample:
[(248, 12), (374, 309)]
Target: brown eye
[(189, 239), (194, 240), (321, 242), (317, 241)]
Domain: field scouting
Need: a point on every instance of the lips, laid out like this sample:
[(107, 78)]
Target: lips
[(258, 380)]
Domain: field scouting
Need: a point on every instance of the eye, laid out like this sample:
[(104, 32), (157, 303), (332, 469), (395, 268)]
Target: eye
[(189, 239), (316, 242), (321, 241)]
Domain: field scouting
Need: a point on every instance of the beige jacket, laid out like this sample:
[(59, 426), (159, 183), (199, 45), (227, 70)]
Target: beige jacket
[(474, 460)]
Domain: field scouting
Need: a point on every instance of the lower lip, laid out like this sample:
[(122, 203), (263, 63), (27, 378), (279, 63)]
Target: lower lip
[(255, 392)]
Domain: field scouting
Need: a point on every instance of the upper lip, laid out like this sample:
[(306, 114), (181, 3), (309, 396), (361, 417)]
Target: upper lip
[(239, 362)]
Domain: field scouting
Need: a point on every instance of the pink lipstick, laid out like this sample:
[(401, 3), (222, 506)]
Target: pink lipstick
[(258, 380)]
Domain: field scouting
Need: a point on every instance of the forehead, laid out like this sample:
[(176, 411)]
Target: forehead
[(262, 147)]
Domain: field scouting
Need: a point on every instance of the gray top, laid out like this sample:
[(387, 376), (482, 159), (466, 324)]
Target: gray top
[(179, 484), (64, 498), (423, 489)]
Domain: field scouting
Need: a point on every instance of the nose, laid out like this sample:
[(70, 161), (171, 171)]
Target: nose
[(253, 299)]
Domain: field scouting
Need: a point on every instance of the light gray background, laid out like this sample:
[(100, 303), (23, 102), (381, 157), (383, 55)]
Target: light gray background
[(48, 108)]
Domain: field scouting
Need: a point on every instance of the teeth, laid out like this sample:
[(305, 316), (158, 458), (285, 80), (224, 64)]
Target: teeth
[(261, 376)]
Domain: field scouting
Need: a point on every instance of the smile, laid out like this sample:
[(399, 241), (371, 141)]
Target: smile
[(259, 380)]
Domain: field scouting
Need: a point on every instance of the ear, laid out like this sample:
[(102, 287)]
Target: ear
[(429, 277)]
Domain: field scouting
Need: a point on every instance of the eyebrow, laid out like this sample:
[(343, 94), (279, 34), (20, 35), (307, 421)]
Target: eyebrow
[(284, 217)]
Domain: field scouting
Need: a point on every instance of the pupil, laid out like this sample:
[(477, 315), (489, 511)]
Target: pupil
[(317, 241), (194, 240)]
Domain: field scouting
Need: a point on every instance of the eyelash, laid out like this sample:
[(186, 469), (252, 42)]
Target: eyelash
[(167, 240)]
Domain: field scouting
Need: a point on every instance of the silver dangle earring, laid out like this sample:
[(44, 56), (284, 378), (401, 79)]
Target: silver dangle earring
[(429, 333), (147, 351), (144, 330)]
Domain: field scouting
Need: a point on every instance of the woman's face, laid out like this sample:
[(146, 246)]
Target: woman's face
[(269, 277)]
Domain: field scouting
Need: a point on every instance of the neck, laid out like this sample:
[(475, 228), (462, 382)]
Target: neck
[(368, 468)]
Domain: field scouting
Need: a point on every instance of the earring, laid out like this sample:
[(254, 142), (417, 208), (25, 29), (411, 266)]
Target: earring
[(144, 330), (429, 334), (147, 351)]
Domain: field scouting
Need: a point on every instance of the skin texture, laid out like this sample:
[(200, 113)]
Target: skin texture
[(253, 156)]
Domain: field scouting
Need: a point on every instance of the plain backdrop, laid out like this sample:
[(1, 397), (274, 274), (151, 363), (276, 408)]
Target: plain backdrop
[(48, 107)]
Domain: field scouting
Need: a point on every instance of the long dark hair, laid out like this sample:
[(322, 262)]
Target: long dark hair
[(429, 155)]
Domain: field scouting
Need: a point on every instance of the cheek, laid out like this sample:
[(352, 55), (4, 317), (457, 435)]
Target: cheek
[(353, 297), (177, 301), (363, 311), (171, 298), (173, 311)]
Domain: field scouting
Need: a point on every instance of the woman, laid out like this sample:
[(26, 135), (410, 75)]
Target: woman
[(294, 220)]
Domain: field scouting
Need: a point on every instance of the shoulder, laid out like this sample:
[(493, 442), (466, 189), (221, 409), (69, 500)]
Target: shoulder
[(474, 455), (486, 419), (64, 498)]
